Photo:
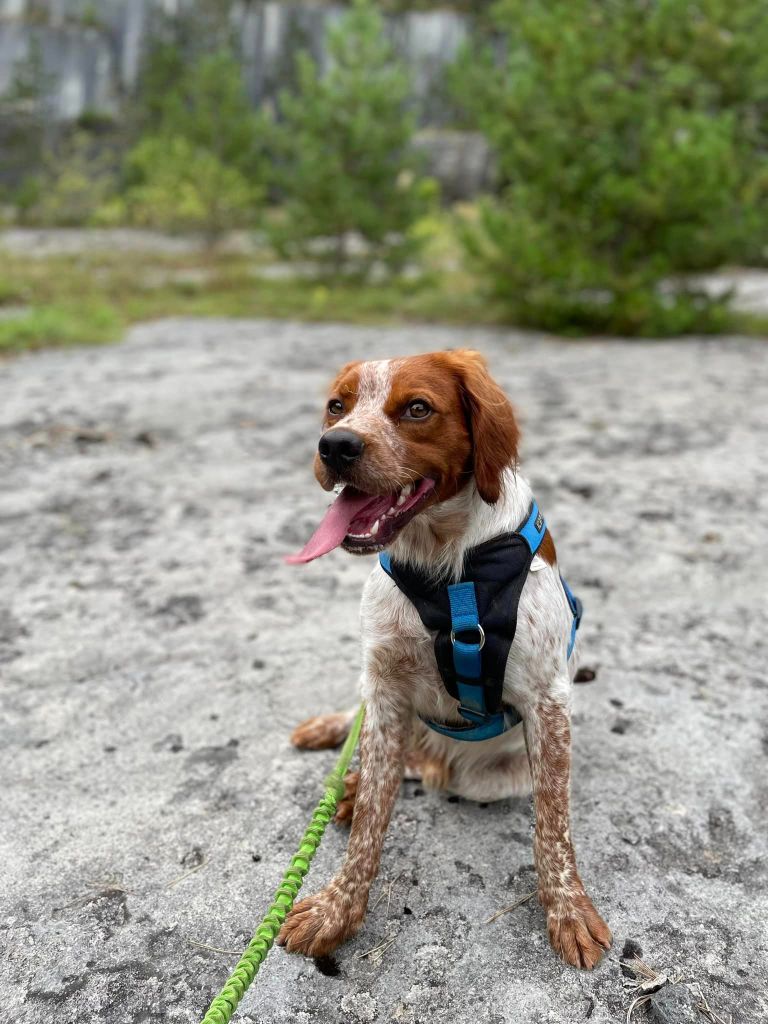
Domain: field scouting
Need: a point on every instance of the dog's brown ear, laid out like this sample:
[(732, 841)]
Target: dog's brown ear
[(495, 434)]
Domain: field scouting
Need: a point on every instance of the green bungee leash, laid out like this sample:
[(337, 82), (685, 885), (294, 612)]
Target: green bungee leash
[(224, 1005)]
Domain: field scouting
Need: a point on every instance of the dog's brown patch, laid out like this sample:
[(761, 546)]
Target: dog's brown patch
[(547, 549)]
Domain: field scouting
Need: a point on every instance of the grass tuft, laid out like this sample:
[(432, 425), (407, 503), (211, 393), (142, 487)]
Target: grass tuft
[(55, 326)]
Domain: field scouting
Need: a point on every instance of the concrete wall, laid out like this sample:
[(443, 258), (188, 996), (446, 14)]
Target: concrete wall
[(91, 53)]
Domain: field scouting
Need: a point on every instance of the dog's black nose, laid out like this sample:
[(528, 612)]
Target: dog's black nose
[(340, 448)]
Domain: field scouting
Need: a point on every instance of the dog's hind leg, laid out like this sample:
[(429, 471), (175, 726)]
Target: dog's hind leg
[(323, 731), (432, 770)]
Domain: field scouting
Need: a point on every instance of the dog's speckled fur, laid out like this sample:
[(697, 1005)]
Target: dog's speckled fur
[(479, 495)]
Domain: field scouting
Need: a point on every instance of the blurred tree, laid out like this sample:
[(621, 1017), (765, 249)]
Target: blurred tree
[(208, 107), (25, 129), (201, 163), (633, 139), (177, 41), (345, 164)]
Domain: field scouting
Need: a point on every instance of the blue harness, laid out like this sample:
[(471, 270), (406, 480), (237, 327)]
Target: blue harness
[(475, 621)]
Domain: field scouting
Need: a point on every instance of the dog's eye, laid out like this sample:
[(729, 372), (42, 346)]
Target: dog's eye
[(418, 410), (335, 407)]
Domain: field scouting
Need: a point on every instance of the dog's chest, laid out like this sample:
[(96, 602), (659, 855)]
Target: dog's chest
[(389, 619)]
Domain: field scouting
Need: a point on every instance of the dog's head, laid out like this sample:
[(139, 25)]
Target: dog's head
[(402, 435)]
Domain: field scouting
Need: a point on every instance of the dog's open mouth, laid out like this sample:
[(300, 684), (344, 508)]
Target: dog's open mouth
[(364, 523)]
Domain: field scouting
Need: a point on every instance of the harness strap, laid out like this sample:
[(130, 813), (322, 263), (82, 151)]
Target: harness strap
[(577, 610), (470, 676), (533, 529), (490, 726), (467, 659)]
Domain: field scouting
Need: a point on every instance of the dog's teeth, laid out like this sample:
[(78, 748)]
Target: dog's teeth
[(401, 500), (375, 528), (406, 491)]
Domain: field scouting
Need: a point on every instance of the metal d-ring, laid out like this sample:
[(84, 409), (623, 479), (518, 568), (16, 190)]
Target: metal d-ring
[(479, 629)]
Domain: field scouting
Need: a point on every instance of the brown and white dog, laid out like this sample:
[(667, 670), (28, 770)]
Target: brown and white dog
[(426, 450)]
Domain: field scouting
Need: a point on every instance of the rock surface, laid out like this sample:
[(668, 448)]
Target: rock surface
[(155, 652), (674, 1004)]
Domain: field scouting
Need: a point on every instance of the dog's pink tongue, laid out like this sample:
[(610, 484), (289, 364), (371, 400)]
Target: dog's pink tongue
[(334, 527)]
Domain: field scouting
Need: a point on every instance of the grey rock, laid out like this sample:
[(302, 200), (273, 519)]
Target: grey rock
[(461, 161), (150, 798), (674, 1004)]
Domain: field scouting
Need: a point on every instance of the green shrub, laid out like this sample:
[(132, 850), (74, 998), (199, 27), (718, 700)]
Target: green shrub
[(632, 139), (201, 165), (178, 38), (177, 186), (75, 180), (24, 115), (25, 197), (209, 107), (345, 163)]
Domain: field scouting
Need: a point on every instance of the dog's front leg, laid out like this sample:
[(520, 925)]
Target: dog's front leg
[(320, 923), (576, 930)]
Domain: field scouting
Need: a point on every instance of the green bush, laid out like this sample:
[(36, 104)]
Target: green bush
[(632, 138), (24, 114), (178, 38), (345, 165), (199, 164), (177, 186), (209, 107), (75, 180)]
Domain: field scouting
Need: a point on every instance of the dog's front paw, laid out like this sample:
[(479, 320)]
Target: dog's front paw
[(320, 923), (578, 933)]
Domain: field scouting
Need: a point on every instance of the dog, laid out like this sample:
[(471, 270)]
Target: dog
[(426, 451)]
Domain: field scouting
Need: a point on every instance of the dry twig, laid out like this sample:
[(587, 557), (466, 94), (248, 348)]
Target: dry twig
[(106, 887), (387, 891), (704, 1008), (376, 953), (512, 906), (186, 874), (214, 949), (653, 981)]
